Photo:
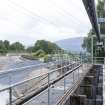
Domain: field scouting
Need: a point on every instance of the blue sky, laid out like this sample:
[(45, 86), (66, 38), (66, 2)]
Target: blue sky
[(30, 20)]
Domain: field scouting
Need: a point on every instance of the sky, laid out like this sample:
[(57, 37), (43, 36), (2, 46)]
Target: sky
[(30, 20)]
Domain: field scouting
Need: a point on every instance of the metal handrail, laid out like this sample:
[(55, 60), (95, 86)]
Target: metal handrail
[(71, 66), (47, 85), (98, 57), (24, 68), (16, 84)]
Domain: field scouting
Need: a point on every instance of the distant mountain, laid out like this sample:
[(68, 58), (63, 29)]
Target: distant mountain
[(72, 44)]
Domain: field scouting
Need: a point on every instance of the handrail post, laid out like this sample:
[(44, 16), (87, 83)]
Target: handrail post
[(73, 77), (81, 62), (92, 55), (10, 96), (64, 69), (64, 81), (48, 89)]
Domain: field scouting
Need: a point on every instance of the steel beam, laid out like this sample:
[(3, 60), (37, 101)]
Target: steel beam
[(91, 11)]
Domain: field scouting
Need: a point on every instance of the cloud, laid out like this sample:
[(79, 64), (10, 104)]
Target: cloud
[(30, 20)]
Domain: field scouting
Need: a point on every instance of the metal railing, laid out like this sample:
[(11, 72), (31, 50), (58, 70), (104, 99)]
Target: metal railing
[(44, 89), (99, 60)]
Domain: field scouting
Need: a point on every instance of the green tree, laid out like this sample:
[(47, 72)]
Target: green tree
[(46, 46), (30, 49), (7, 44), (3, 49), (17, 47)]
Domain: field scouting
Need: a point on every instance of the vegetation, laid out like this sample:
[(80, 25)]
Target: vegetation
[(17, 46), (6, 44), (45, 46), (35, 55), (29, 49), (39, 53), (42, 49), (87, 40), (3, 49), (6, 47), (29, 56), (48, 47)]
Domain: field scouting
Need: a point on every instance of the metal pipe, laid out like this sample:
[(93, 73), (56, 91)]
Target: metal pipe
[(91, 11), (10, 96)]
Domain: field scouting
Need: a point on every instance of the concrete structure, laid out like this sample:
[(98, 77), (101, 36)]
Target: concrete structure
[(89, 91)]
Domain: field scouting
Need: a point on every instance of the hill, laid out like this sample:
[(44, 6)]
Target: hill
[(72, 44)]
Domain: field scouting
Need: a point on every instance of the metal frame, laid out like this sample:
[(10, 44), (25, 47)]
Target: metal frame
[(69, 68), (75, 67), (92, 44), (91, 11)]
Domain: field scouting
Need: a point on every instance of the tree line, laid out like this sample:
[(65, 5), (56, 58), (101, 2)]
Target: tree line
[(40, 46), (6, 47), (45, 46)]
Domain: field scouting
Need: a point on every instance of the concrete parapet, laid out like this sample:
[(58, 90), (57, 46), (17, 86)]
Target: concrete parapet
[(78, 100)]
